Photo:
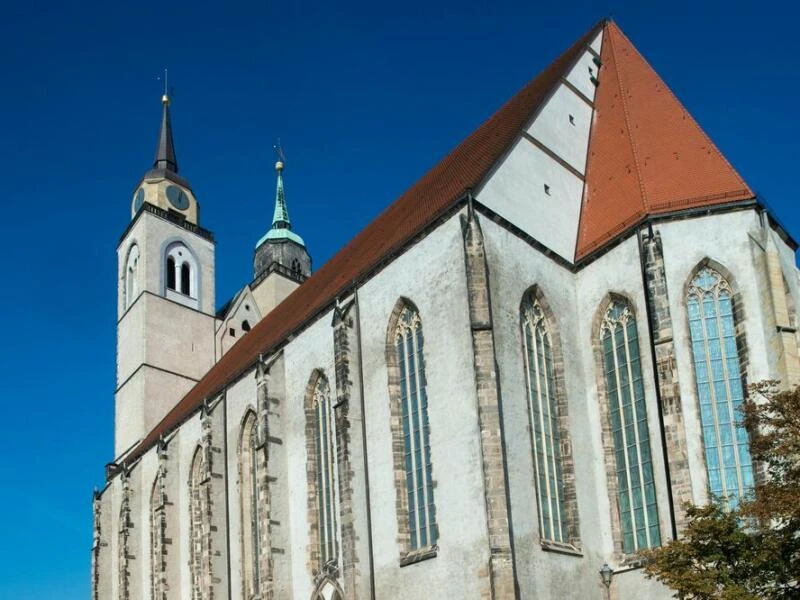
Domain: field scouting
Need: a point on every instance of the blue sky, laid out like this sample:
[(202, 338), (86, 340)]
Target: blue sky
[(365, 100)]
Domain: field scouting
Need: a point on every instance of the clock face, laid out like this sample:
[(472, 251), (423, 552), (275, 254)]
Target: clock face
[(177, 197), (138, 200)]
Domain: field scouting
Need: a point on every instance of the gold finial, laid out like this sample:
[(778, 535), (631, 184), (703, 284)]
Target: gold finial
[(281, 157)]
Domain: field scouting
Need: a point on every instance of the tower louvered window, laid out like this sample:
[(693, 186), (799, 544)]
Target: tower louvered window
[(325, 459), (415, 428), (636, 493), (719, 386), (543, 414), (251, 524)]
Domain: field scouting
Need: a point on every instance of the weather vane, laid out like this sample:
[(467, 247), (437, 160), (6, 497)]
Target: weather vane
[(279, 153), (168, 92)]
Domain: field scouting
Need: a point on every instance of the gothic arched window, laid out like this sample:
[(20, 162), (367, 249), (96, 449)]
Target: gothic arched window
[(199, 532), (719, 386), (636, 493), (420, 510), (324, 458), (543, 413), (251, 519), (131, 275)]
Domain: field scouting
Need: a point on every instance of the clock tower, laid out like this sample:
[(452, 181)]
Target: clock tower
[(165, 306)]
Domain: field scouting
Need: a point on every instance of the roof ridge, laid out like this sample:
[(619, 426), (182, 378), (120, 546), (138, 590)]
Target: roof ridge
[(628, 127), (686, 112)]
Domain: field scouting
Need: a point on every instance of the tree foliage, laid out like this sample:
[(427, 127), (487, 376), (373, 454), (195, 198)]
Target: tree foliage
[(752, 552)]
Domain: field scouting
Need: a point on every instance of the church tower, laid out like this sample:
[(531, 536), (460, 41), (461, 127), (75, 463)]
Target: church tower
[(281, 260), (165, 339)]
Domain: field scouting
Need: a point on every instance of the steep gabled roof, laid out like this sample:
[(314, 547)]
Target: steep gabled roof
[(646, 156), (445, 184)]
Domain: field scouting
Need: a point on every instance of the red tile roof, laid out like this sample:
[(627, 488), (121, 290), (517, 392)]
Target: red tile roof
[(421, 205), (646, 155)]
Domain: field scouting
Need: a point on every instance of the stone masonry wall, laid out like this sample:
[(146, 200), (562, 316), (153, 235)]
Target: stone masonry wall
[(501, 561)]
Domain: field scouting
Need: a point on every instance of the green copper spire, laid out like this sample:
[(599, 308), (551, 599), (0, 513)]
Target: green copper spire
[(281, 226), (280, 218)]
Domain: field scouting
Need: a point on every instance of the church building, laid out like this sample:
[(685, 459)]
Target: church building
[(515, 375)]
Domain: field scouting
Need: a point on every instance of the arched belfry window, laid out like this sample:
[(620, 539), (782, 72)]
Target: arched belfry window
[(547, 419), (719, 385), (251, 517), (636, 493), (199, 530), (181, 273), (407, 387), (131, 275)]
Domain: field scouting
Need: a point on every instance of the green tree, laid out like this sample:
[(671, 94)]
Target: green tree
[(752, 552)]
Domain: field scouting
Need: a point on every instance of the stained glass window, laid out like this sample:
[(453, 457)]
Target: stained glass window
[(416, 443), (719, 386), (543, 415), (636, 493)]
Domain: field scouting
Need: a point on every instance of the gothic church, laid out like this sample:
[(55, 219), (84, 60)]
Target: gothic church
[(514, 375)]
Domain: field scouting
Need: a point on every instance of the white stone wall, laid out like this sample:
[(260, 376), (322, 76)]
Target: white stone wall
[(431, 274)]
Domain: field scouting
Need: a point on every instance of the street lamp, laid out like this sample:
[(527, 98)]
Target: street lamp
[(606, 574)]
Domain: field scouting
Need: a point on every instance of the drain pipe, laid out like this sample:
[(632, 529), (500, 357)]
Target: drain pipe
[(227, 489), (364, 442), (657, 385)]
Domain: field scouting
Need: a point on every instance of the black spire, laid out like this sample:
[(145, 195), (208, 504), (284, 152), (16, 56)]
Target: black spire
[(165, 152)]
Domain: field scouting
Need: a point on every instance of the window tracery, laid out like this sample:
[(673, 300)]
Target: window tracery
[(719, 385), (636, 493), (543, 413), (413, 399)]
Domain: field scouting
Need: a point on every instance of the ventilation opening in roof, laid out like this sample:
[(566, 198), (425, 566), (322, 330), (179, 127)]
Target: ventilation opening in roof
[(546, 189)]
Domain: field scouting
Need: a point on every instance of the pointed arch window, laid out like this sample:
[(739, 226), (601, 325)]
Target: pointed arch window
[(413, 398), (636, 493), (199, 531), (251, 517), (719, 386), (543, 413), (325, 456)]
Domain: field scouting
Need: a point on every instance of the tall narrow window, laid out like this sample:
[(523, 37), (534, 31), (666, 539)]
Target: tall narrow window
[(719, 386), (251, 524), (170, 273), (122, 550), (636, 493), (199, 549), (408, 344), (185, 278), (325, 457), (544, 423)]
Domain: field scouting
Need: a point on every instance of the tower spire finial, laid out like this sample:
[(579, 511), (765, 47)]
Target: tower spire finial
[(165, 151), (280, 218)]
